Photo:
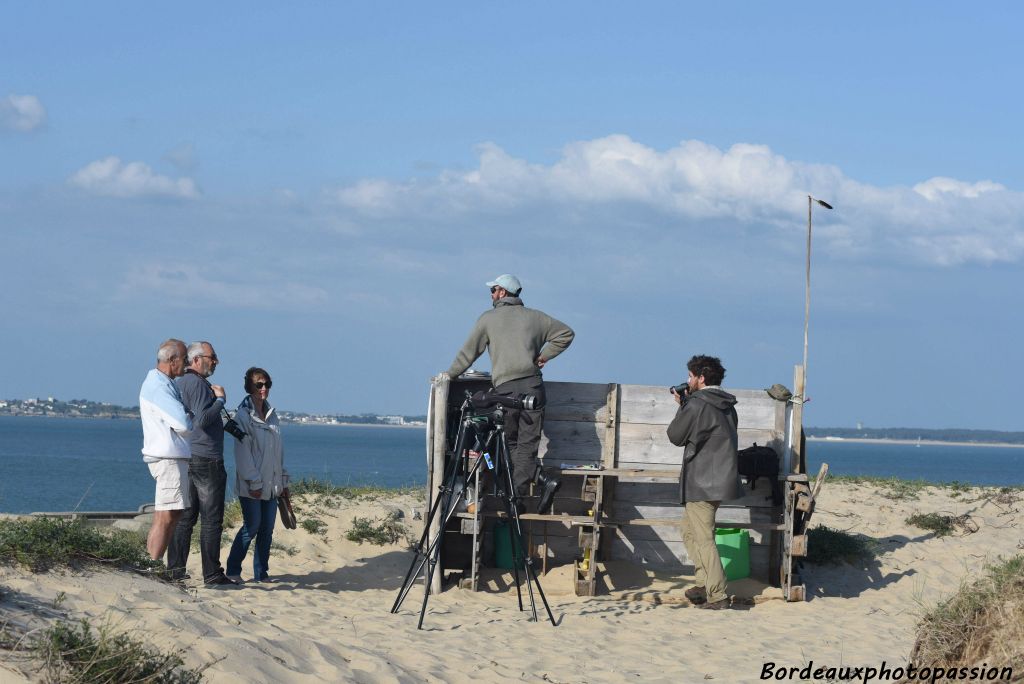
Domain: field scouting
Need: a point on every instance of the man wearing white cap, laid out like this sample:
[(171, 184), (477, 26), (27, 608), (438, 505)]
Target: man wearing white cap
[(519, 341)]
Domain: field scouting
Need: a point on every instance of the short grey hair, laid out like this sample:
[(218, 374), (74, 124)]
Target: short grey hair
[(196, 349), (168, 350)]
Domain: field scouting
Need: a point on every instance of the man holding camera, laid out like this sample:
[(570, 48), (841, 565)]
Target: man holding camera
[(206, 474), (520, 341), (705, 425)]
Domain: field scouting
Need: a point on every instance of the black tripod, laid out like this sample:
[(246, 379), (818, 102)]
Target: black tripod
[(489, 432)]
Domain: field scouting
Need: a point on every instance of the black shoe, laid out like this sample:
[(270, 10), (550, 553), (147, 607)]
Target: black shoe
[(717, 605), (221, 581), (548, 487)]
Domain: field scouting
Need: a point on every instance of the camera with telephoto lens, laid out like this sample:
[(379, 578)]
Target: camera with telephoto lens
[(230, 426), (682, 389), (512, 400)]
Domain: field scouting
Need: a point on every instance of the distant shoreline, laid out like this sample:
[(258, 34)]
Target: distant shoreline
[(283, 422), (383, 425), (925, 442)]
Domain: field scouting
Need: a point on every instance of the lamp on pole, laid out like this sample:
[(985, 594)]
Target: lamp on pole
[(807, 289)]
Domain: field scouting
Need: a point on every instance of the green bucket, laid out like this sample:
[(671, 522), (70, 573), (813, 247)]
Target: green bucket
[(734, 550), (503, 548)]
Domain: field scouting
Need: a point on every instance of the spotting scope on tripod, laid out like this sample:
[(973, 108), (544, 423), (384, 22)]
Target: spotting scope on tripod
[(481, 429)]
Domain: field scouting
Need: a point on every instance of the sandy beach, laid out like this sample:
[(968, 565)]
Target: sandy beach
[(326, 618)]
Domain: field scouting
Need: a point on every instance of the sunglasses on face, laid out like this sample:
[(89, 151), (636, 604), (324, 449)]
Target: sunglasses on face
[(261, 385), (494, 289)]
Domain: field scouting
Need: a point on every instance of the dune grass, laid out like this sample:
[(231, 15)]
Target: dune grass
[(380, 531), (983, 622), (43, 543), (322, 492), (901, 489), (78, 653)]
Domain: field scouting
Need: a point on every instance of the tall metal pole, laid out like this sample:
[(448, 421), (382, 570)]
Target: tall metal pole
[(807, 288), (807, 293)]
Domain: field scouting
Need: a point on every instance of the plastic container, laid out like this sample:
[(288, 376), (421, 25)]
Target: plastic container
[(503, 548), (734, 549)]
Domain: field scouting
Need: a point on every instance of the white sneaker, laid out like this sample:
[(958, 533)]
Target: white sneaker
[(237, 579)]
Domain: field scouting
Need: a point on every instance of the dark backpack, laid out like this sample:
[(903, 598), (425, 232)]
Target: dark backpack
[(761, 461)]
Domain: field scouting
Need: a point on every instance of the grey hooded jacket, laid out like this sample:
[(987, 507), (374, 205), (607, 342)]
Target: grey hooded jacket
[(513, 336), (706, 426)]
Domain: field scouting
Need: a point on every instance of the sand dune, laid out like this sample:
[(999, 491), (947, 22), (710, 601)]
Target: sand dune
[(327, 617)]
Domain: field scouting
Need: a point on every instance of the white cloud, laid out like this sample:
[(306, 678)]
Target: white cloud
[(185, 284), (115, 178), (939, 187), (940, 220), (22, 113)]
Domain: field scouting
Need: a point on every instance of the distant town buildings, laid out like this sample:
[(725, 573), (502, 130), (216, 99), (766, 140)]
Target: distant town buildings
[(83, 408)]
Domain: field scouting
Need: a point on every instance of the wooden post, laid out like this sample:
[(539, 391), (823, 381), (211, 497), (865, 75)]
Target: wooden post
[(798, 464), (436, 439), (610, 453)]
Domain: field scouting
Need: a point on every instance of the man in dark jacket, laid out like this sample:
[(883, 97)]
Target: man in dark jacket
[(519, 341), (206, 474), (705, 425)]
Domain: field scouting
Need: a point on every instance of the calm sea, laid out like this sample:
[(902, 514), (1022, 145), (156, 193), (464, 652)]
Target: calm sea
[(64, 464), (55, 464)]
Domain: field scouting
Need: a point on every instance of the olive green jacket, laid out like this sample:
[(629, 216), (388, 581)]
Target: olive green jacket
[(514, 336)]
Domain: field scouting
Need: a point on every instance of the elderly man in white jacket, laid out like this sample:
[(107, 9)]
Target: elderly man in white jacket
[(165, 429)]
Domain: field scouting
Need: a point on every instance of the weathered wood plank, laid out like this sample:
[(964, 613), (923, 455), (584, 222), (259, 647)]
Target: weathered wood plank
[(667, 494), (672, 557), (576, 401), (672, 532), (639, 444), (610, 448), (587, 402), (648, 444), (726, 514), (655, 405)]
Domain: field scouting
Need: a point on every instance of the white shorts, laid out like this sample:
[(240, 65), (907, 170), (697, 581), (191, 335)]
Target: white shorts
[(171, 475)]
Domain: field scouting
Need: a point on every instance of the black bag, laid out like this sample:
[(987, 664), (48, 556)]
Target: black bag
[(761, 461)]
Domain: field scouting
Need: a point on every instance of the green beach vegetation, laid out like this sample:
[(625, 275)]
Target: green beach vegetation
[(379, 531), (41, 543), (900, 489), (77, 652), (982, 623)]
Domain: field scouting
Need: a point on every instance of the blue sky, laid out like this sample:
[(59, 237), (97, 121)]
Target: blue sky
[(322, 190)]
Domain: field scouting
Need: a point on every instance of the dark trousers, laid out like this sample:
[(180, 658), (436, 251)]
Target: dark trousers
[(258, 519), (207, 481), (522, 432)]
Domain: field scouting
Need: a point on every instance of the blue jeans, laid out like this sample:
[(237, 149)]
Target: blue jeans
[(258, 518), (207, 481)]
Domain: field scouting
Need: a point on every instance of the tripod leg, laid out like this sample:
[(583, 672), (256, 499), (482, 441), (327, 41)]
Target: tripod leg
[(513, 543), (417, 562), (444, 501), (531, 572), (434, 553)]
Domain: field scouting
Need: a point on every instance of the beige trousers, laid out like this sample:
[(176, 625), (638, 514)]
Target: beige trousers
[(698, 528)]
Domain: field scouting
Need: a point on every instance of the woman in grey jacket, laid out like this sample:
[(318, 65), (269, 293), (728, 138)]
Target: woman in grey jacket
[(260, 476)]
